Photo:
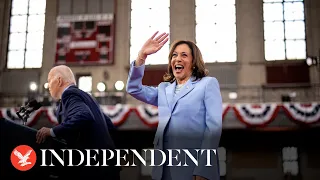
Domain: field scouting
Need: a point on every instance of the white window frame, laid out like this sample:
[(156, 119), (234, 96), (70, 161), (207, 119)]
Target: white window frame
[(25, 42), (282, 40)]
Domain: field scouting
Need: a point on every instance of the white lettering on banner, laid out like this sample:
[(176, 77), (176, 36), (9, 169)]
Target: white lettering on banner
[(84, 17), (121, 154), (83, 44)]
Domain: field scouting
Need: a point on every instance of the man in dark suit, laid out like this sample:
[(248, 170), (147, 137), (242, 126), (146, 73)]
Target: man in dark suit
[(83, 125)]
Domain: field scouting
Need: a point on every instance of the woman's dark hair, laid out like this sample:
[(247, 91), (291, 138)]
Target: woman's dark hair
[(199, 70)]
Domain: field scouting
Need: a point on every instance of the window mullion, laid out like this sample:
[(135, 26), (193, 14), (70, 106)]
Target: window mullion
[(26, 39)]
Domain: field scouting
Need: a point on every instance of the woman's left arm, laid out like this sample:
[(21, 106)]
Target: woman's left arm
[(212, 134)]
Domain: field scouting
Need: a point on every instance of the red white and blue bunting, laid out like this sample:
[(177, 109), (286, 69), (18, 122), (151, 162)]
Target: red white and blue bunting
[(148, 114), (225, 109), (256, 114), (118, 113), (252, 115), (307, 113)]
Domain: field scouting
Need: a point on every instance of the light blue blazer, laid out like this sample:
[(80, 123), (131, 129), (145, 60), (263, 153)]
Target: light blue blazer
[(191, 119)]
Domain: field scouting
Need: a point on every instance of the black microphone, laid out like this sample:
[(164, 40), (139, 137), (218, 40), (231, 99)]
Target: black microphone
[(25, 111)]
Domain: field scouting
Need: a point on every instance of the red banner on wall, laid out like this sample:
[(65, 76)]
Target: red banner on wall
[(85, 39)]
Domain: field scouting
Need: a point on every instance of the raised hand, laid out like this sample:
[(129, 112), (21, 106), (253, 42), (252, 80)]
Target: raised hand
[(151, 46)]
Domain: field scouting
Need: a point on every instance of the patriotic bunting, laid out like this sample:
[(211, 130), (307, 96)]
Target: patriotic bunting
[(10, 114), (148, 114), (260, 114), (307, 113), (50, 112), (118, 113), (225, 109), (256, 114)]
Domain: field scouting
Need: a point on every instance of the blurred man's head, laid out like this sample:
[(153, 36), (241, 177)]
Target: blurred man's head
[(59, 78)]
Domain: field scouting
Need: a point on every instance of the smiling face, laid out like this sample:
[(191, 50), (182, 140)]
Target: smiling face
[(181, 63)]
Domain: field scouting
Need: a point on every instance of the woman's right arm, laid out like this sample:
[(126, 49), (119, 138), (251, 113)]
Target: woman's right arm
[(135, 88)]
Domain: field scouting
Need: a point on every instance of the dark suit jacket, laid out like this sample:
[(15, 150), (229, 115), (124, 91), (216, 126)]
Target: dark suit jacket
[(84, 125)]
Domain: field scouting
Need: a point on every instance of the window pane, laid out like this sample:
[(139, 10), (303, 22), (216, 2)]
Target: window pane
[(152, 4), (292, 0), (15, 59), (273, 30), (134, 50), (139, 36), (225, 32), (33, 58), (26, 16), (142, 4), (137, 16), (216, 30), (219, 13), (202, 31), (161, 57), (274, 50), (226, 12), (19, 7), (18, 23), (218, 52), (37, 6), (295, 30), (296, 49), (272, 1), (213, 3), (159, 21), (216, 33), (202, 15), (35, 40), (36, 22), (142, 28), (228, 2), (156, 4), (17, 41), (273, 12), (294, 11), (204, 3), (225, 51), (208, 51)]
